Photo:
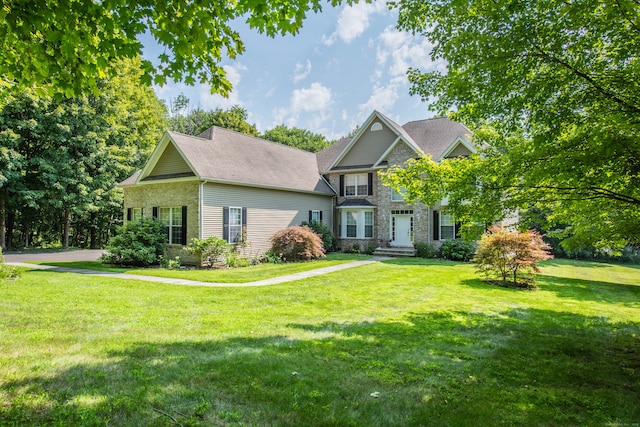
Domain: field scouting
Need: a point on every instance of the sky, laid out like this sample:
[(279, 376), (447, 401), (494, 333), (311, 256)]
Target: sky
[(344, 63)]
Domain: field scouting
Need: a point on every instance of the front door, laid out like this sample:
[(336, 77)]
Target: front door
[(401, 230)]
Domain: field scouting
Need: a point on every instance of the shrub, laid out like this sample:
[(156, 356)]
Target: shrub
[(369, 248), (457, 250), (426, 250), (511, 256), (137, 243), (209, 250), (7, 271), (329, 241), (297, 243), (170, 264), (354, 249)]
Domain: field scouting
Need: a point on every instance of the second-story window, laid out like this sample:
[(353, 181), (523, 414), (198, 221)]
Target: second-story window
[(356, 184)]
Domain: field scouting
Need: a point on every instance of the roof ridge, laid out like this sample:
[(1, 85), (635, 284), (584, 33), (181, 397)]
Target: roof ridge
[(427, 119), (186, 134)]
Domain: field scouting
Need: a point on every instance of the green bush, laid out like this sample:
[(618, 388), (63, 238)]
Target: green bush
[(457, 250), (354, 249), (297, 243), (137, 243), (209, 250), (7, 271), (329, 241), (426, 250), (369, 248)]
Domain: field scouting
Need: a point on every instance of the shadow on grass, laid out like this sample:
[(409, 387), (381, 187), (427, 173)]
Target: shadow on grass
[(591, 290), (521, 367)]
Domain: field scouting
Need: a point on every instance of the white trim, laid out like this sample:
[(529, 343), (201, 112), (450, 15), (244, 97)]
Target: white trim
[(454, 144), (392, 146), (200, 207)]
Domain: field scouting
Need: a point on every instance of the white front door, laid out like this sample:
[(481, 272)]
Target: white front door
[(402, 230)]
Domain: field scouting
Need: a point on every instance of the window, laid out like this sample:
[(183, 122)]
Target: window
[(368, 224), (235, 225), (171, 217), (136, 214), (315, 216), (447, 226), (356, 184), (398, 196), (357, 223), (376, 127)]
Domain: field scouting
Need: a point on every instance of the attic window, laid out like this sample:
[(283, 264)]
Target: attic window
[(376, 126)]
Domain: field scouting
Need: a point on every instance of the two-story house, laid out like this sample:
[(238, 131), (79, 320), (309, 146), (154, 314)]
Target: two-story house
[(233, 186)]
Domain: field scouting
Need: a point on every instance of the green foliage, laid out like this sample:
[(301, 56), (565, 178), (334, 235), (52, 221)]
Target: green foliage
[(170, 264), (296, 137), (550, 90), (209, 250), (297, 243), (60, 160), (457, 250), (511, 256), (68, 49), (197, 121), (354, 249), (138, 243), (426, 250), (369, 248), (329, 241), (7, 271)]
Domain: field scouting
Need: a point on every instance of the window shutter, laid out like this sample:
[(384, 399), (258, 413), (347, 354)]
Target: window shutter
[(320, 216), (244, 217), (129, 214), (184, 225), (341, 185), (436, 225), (225, 223), (457, 230), (370, 177), (155, 212)]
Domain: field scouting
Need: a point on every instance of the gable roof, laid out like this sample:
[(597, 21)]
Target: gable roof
[(231, 157), (436, 137)]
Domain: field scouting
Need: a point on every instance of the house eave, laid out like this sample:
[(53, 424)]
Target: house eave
[(266, 186)]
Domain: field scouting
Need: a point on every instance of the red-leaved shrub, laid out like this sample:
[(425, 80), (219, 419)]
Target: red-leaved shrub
[(297, 243)]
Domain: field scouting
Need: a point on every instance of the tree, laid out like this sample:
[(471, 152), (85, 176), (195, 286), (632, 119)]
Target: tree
[(298, 138), (551, 89), (61, 159), (511, 256), (69, 46), (197, 121)]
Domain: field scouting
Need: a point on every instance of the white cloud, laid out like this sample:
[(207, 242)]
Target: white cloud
[(353, 21), (401, 51), (382, 99), (315, 98), (209, 101), (301, 71)]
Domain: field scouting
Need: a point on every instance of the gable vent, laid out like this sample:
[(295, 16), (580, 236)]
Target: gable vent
[(376, 126)]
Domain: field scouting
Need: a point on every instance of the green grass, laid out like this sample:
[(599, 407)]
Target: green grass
[(233, 275), (437, 345)]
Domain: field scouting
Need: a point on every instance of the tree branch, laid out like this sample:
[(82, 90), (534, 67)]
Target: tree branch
[(598, 193)]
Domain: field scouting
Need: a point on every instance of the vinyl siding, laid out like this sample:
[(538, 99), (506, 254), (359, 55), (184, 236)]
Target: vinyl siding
[(460, 150), (171, 162), (268, 211), (369, 147)]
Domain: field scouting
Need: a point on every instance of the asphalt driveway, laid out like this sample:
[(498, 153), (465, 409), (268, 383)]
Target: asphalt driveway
[(54, 256)]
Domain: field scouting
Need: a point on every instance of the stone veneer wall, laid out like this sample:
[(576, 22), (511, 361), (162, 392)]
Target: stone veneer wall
[(381, 198), (164, 195), (421, 213)]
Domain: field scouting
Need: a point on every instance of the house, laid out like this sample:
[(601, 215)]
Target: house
[(238, 187)]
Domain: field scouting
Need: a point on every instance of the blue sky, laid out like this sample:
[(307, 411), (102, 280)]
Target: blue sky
[(344, 63)]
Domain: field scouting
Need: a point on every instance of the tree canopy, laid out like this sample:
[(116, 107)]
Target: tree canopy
[(67, 46), (296, 137), (196, 121), (60, 160), (552, 91)]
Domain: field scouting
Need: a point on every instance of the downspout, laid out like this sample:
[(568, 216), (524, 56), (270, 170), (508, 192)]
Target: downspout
[(200, 204)]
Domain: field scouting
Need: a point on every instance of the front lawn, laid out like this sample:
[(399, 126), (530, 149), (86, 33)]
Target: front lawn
[(232, 275), (405, 342)]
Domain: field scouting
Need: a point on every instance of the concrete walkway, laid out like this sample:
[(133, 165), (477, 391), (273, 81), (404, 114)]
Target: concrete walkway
[(171, 281)]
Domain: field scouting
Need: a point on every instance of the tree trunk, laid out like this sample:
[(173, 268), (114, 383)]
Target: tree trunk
[(93, 230), (65, 233), (11, 220), (3, 221)]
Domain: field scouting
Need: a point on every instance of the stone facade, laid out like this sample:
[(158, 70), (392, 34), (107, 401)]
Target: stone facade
[(174, 194)]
